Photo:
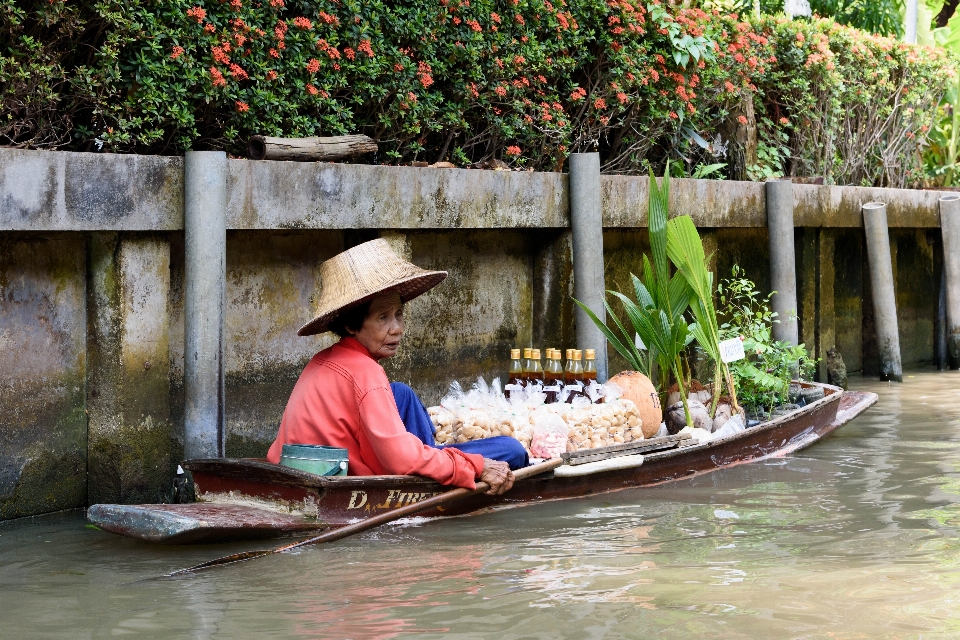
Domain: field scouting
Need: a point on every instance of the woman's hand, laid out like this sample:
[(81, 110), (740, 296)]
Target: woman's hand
[(497, 475)]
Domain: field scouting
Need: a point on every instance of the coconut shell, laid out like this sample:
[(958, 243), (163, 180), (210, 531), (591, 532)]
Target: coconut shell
[(638, 388)]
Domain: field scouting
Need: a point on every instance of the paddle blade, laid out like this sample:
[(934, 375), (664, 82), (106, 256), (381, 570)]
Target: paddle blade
[(219, 562)]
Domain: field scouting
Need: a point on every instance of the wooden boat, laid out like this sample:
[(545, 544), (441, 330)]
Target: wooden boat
[(242, 498)]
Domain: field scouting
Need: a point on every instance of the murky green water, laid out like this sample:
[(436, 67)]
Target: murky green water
[(856, 537)]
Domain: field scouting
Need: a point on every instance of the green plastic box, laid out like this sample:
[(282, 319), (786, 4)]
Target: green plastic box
[(315, 458)]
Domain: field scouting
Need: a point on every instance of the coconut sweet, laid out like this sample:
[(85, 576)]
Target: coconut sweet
[(638, 388)]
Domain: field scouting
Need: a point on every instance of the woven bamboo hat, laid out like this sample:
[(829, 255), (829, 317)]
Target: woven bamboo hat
[(359, 274)]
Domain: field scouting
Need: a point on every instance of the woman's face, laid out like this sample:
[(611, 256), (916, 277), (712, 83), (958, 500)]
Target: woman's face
[(383, 326)]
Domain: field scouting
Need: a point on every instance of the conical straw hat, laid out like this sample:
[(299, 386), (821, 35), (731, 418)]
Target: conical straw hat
[(357, 275)]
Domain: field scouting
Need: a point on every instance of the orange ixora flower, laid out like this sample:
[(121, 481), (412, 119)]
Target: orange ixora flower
[(513, 150), (313, 66), (237, 72), (197, 13), (242, 106), (217, 77), (364, 47), (220, 55), (312, 90), (742, 119), (177, 52)]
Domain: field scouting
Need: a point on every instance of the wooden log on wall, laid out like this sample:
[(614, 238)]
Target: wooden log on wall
[(309, 149)]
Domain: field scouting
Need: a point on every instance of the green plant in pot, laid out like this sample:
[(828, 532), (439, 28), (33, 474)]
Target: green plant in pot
[(657, 313), (685, 249), (763, 377)]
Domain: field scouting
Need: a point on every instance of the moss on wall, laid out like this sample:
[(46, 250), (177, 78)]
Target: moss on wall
[(43, 428), (848, 296)]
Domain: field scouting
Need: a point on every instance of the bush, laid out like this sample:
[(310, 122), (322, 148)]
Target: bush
[(524, 81), (847, 105)]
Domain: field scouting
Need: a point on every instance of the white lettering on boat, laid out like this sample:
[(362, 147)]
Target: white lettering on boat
[(354, 496), (395, 499)]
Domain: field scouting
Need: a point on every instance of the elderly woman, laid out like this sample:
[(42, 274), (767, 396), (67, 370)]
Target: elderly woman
[(343, 398)]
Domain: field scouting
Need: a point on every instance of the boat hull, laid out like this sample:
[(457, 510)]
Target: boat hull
[(316, 502)]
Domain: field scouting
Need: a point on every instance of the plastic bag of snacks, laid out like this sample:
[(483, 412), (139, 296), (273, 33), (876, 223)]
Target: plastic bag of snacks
[(604, 425), (549, 435), (446, 423), (484, 412)]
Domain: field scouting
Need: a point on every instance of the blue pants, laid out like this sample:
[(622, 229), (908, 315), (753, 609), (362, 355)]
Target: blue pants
[(417, 421)]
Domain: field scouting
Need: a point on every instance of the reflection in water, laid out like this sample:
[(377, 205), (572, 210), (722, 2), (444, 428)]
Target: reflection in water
[(853, 538)]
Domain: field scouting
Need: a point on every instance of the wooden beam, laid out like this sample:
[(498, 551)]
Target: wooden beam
[(309, 149)]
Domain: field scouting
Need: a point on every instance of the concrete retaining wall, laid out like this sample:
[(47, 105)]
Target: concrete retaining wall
[(91, 292)]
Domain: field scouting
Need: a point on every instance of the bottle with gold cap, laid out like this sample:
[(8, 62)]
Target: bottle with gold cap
[(527, 356), (515, 379), (592, 387), (536, 369), (552, 376), (572, 376)]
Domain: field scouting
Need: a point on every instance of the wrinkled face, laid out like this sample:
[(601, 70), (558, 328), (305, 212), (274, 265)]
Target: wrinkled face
[(383, 326)]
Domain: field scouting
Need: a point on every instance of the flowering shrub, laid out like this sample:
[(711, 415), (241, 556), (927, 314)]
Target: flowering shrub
[(523, 81), (856, 108)]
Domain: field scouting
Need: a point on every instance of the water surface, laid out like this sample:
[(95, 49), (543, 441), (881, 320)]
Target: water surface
[(855, 537)]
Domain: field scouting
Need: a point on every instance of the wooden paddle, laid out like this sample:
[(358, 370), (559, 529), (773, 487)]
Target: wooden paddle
[(377, 520)]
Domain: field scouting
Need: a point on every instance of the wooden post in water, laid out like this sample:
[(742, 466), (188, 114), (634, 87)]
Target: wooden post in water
[(881, 285), (586, 220), (204, 301), (950, 231), (783, 259)]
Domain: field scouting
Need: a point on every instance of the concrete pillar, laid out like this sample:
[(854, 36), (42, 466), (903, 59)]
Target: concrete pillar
[(205, 249), (586, 220), (881, 285), (910, 21), (950, 229), (128, 385), (783, 259)]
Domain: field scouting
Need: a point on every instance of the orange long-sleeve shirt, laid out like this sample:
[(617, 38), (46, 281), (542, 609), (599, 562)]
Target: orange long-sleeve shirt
[(343, 399)]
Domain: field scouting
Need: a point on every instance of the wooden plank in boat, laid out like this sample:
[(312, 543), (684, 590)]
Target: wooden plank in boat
[(628, 448)]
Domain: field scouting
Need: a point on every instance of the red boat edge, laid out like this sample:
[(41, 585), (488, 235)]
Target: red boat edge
[(242, 498)]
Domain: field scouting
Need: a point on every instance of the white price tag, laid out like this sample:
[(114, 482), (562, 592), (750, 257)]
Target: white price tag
[(732, 350), (638, 343)]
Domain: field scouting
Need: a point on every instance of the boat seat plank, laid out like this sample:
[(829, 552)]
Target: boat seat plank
[(197, 522), (585, 456)]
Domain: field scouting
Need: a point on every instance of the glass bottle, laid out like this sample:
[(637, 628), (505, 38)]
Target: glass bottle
[(527, 355), (515, 380), (590, 375), (536, 370), (572, 377), (552, 376)]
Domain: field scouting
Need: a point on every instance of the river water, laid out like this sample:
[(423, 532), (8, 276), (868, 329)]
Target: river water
[(855, 537)]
